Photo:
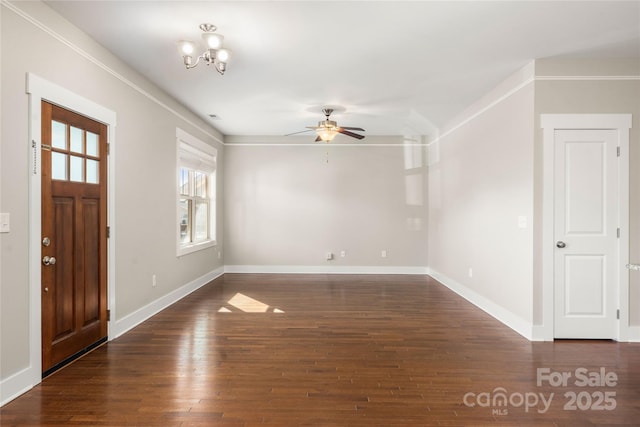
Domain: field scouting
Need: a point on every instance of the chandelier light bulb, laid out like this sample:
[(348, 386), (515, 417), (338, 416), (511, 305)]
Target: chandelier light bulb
[(213, 40), (223, 55), (186, 47)]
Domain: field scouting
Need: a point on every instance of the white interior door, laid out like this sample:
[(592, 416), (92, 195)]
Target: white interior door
[(586, 233)]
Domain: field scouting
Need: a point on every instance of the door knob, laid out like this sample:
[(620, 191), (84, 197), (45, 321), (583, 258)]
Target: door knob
[(49, 260), (561, 244)]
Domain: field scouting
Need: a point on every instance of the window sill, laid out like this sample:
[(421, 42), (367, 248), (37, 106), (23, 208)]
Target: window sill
[(195, 247)]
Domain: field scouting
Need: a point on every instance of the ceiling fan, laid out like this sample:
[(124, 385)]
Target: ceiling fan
[(328, 129)]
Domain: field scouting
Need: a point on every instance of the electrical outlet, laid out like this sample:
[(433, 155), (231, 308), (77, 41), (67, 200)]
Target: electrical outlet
[(153, 281), (343, 254), (383, 253), (329, 256), (470, 272)]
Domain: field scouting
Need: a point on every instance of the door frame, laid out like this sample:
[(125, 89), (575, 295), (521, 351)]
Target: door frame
[(39, 89), (550, 123)]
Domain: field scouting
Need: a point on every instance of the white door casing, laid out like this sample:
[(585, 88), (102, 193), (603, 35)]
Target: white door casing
[(40, 89), (585, 230), (585, 201)]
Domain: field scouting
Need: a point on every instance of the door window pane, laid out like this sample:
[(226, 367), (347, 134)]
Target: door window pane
[(77, 144), (58, 135), (92, 171), (201, 221), (58, 166), (76, 169), (92, 144)]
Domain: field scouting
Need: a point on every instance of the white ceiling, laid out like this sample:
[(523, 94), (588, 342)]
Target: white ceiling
[(394, 67)]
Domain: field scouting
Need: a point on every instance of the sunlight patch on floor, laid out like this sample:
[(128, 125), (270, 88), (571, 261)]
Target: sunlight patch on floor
[(248, 305)]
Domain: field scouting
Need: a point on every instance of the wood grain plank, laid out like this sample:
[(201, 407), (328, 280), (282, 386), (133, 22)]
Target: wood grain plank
[(343, 350)]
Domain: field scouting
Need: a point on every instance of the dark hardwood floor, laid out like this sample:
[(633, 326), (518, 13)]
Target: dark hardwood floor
[(334, 350)]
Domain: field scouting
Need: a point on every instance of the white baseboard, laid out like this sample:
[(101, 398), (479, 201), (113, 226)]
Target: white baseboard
[(323, 269), (541, 333), (134, 319), (23, 381), (509, 319), (15, 385), (634, 334)]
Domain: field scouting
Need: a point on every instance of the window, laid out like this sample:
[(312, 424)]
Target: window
[(196, 186), (75, 153)]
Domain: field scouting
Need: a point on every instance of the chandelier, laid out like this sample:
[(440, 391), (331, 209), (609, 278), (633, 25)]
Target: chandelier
[(214, 54)]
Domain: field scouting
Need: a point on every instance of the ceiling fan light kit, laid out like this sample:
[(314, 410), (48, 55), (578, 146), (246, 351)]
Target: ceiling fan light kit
[(326, 135), (214, 55), (328, 129)]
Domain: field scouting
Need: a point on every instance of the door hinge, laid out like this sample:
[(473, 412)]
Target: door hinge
[(108, 315), (109, 149), (618, 232), (45, 147), (618, 151), (618, 314), (108, 231)]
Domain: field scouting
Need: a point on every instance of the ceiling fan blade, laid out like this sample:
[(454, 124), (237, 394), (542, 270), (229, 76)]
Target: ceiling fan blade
[(351, 134), (295, 133), (349, 128)]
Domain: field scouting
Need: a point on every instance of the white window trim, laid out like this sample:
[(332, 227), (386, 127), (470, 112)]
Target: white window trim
[(187, 142)]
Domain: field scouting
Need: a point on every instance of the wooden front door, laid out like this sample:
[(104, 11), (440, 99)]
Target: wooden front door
[(74, 235)]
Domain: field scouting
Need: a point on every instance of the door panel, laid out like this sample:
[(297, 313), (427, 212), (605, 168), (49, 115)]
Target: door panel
[(63, 293), (585, 187), (91, 220), (584, 285), (74, 219), (586, 233)]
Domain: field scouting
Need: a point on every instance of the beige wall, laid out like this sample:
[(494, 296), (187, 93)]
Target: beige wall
[(288, 204), (285, 205), (489, 172), (570, 92), (145, 165), (479, 185)]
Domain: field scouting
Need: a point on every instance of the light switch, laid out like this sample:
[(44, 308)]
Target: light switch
[(5, 225)]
